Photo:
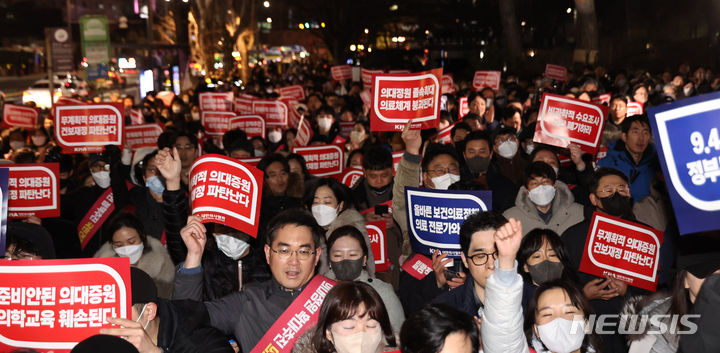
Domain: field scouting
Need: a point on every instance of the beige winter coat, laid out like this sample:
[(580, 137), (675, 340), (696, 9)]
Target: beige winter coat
[(565, 211)]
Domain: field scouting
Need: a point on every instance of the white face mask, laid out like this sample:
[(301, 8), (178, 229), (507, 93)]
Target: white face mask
[(102, 179), (39, 140), (529, 148), (557, 171), (324, 123), (274, 136), (558, 337), (357, 136), (324, 214), (140, 317), (361, 342), (508, 149), (16, 145), (443, 182), (134, 252), (231, 246), (176, 109), (542, 195), (259, 153)]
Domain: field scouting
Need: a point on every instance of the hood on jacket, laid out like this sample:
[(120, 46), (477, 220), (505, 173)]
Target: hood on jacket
[(563, 199)]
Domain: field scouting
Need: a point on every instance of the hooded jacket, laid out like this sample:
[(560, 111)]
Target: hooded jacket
[(348, 217), (155, 261), (565, 211), (640, 175)]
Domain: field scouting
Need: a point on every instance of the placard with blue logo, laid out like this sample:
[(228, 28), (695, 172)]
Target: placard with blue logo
[(688, 144), (435, 217)]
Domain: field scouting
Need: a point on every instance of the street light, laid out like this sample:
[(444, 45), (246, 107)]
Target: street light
[(367, 31), (352, 47), (266, 3), (569, 10), (268, 20)]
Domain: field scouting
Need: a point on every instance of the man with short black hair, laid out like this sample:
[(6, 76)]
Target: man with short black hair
[(477, 166), (508, 160)]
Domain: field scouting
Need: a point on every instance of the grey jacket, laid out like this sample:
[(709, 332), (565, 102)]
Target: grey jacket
[(408, 174), (565, 211)]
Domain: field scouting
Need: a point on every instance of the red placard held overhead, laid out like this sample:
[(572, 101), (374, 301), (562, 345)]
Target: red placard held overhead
[(251, 161), (19, 116), (378, 242), (625, 250), (602, 99), (138, 136), (346, 127), (34, 190), (563, 120), (634, 108), (274, 112), (418, 266), (216, 101), (400, 97), (445, 135), (487, 79), (448, 84), (223, 190), (216, 123), (367, 76), (556, 72), (136, 117), (244, 105), (463, 108), (341, 72), (51, 305), (296, 92), (323, 160), (88, 128), (351, 176), (68, 101), (253, 125), (304, 133), (397, 156), (166, 97)]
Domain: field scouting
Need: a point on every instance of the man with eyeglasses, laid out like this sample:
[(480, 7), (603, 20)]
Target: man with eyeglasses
[(292, 250)]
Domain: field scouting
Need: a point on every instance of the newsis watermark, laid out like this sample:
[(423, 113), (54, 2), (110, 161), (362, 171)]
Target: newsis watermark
[(660, 324)]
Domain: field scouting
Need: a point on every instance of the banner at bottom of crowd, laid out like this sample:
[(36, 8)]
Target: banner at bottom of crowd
[(435, 217), (398, 98), (299, 316), (688, 146), (225, 190), (51, 305), (624, 250)]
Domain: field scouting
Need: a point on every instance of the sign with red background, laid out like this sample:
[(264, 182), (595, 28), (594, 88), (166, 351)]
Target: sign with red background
[(216, 123), (563, 120), (19, 116), (625, 250), (351, 176), (322, 161), (274, 112), (88, 128), (634, 108), (138, 136), (487, 79), (377, 232), (216, 101), (51, 305), (341, 72), (556, 72), (367, 76), (400, 97), (244, 105), (224, 190), (33, 190), (418, 266), (296, 92), (253, 125), (463, 107), (448, 84)]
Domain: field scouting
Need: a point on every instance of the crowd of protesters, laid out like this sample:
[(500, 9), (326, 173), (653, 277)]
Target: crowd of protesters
[(519, 288)]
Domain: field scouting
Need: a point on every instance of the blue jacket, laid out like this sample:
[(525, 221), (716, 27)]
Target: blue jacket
[(640, 175)]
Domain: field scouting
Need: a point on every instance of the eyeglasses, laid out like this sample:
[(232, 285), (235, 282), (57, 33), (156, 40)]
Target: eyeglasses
[(100, 167), (302, 254), (609, 190), (443, 171), (482, 258), (18, 256)]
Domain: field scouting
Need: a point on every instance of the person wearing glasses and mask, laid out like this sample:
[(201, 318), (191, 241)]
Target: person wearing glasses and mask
[(292, 251)]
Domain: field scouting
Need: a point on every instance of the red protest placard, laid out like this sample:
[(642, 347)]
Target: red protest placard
[(216, 123), (253, 125), (341, 72), (244, 104), (602, 99), (136, 117), (166, 97), (418, 266), (448, 84), (378, 242), (346, 127), (138, 136), (304, 133), (323, 160), (33, 190), (397, 156), (400, 97), (51, 305), (19, 116), (351, 176), (625, 250), (634, 108), (556, 72), (463, 107), (399, 71), (274, 112), (296, 92), (88, 128), (223, 190), (68, 101), (367, 76), (299, 316), (564, 120), (216, 101), (445, 135), (487, 79), (251, 161)]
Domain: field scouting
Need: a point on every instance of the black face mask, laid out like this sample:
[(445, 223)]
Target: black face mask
[(478, 164), (617, 205), (347, 270)]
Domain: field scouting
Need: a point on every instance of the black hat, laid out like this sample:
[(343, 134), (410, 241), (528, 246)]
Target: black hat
[(35, 234), (700, 265), (104, 343), (142, 287)]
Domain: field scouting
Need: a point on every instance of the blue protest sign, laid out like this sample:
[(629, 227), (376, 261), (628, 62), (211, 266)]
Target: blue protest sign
[(4, 174), (688, 144), (435, 217)]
